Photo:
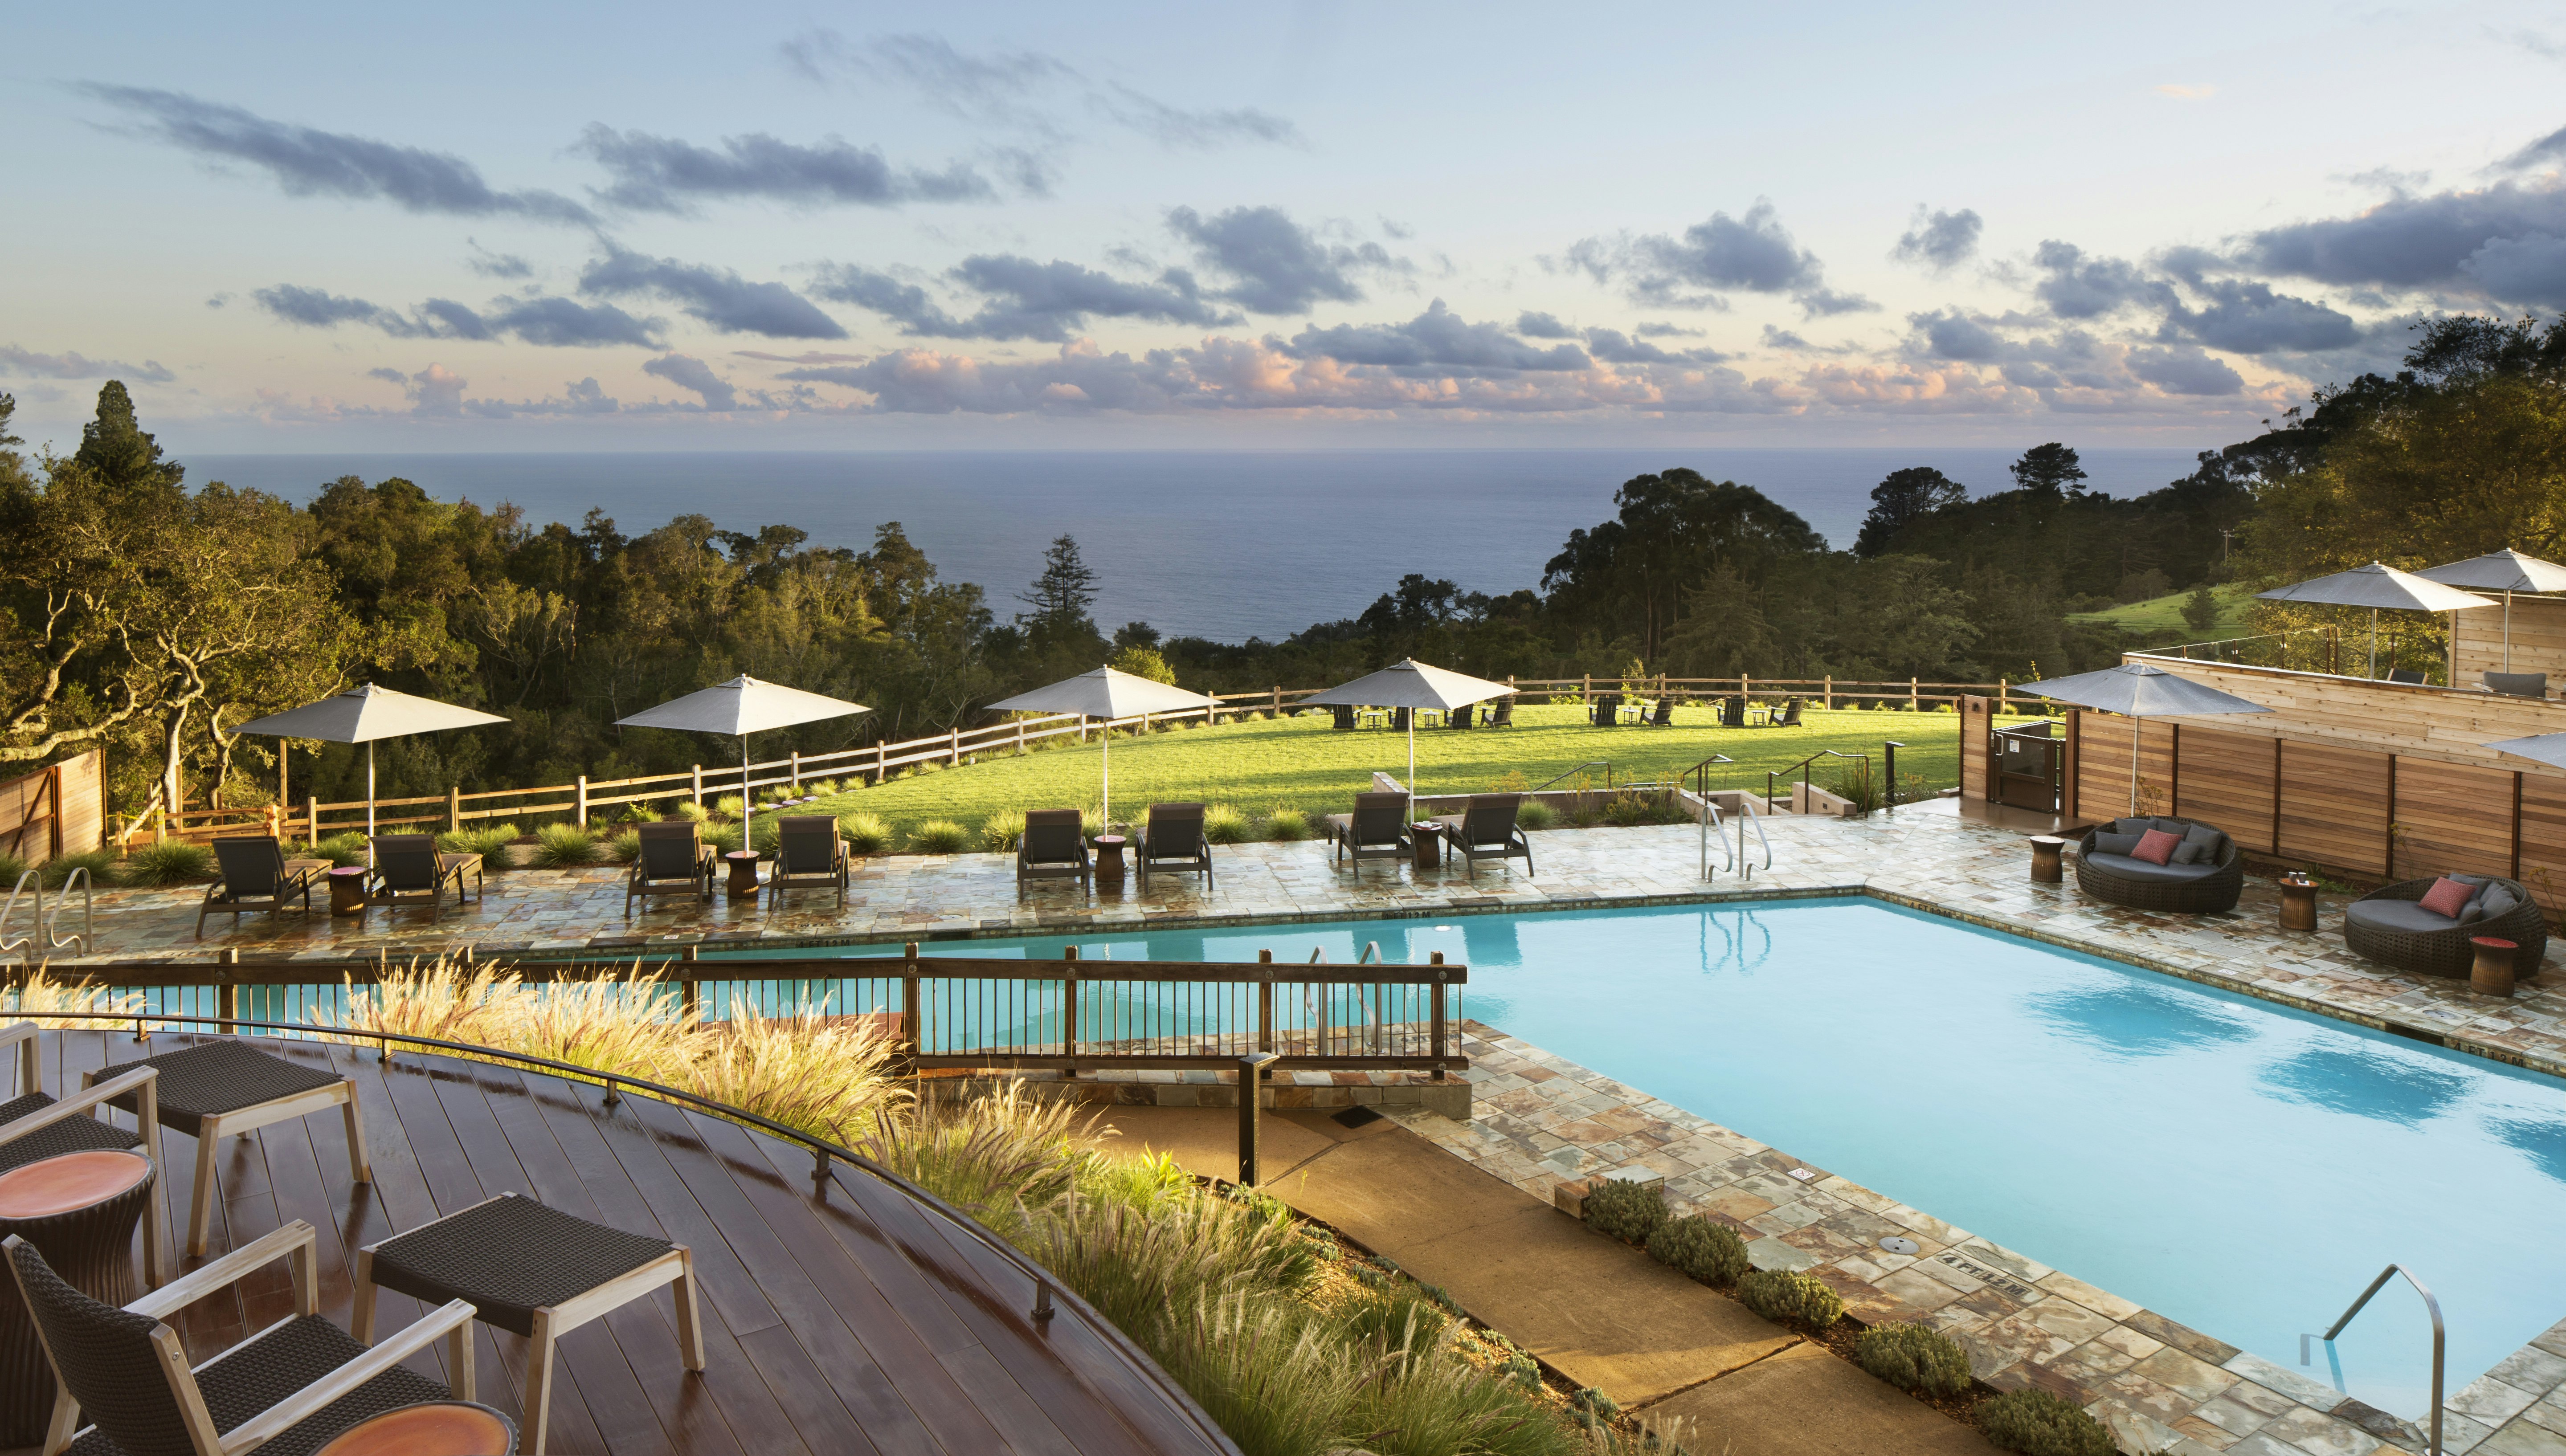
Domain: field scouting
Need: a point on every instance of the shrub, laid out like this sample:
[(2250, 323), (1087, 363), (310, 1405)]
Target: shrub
[(1514, 782), (939, 837), (566, 846), (1535, 815), (865, 833), (624, 846), (1856, 785), (820, 788), (1223, 823), (638, 812), (730, 805), (1625, 1211), (341, 851), (1778, 1294), (1004, 831), (172, 861), (689, 809), (1914, 1357), (725, 838), (1396, 1321), (10, 866), (491, 843), (1286, 825), (101, 865), (1700, 1248), (2038, 1423)]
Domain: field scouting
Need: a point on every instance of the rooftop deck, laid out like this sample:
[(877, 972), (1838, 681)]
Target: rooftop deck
[(838, 1317)]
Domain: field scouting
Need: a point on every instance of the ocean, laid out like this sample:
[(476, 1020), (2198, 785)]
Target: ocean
[(1211, 543)]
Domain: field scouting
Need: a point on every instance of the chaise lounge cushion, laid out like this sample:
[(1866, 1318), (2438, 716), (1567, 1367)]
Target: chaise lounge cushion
[(2404, 916), (2135, 869)]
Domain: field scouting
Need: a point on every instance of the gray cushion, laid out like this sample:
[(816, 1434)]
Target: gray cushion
[(2396, 916), (2475, 882), (2133, 826), (2122, 865), (2518, 684), (2497, 902), (2107, 842), (2472, 912), (2200, 846)]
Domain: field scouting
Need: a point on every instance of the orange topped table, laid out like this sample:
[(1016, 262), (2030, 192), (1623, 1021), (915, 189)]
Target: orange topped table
[(80, 1210), (433, 1428)]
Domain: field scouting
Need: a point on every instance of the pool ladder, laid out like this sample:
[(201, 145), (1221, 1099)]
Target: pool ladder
[(2440, 1340), (40, 936)]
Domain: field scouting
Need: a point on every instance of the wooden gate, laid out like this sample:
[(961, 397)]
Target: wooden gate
[(58, 809)]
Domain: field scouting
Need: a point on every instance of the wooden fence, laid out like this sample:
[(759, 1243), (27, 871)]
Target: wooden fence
[(58, 809)]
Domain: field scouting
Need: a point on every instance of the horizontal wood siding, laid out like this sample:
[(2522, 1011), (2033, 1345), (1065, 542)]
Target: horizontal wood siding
[(1976, 724), (2538, 640), (2334, 807), (2543, 839), (2227, 781), (84, 803), (2411, 721), (2102, 765), (2451, 820)]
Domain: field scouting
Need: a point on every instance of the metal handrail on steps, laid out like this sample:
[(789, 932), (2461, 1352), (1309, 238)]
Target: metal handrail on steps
[(2440, 1340)]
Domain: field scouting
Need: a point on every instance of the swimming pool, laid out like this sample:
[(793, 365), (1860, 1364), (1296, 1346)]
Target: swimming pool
[(2240, 1166)]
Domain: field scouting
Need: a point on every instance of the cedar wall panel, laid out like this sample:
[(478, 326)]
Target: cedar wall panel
[(84, 803), (1976, 724), (2334, 807), (2451, 820), (2102, 765), (2538, 640), (2227, 780), (2543, 839)]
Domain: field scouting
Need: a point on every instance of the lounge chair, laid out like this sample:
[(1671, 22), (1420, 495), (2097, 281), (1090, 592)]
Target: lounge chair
[(1663, 717), (2206, 882), (809, 854), (1400, 719), (255, 877), (1487, 830), (2406, 674), (1457, 717), (2518, 684), (1733, 712), (1608, 710), (408, 866), (2391, 926), (292, 1386), (1789, 717), (1345, 716), (674, 858), (1377, 829), (1054, 846), (34, 1127), (1173, 839), (1503, 712)]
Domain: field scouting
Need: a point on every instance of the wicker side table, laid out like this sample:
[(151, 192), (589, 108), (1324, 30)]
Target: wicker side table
[(2298, 902), (2491, 972), (80, 1210)]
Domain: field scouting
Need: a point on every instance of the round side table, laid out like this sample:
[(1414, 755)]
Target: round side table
[(742, 885), (1109, 859), (2492, 974), (80, 1210), (1426, 842), (348, 891), (2298, 903), (431, 1429), (2044, 858)]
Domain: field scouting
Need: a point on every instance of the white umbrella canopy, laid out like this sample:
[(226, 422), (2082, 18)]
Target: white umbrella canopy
[(1412, 684), (1108, 693), (2137, 692), (2379, 587), (362, 715), (738, 709), (2547, 748), (2507, 570)]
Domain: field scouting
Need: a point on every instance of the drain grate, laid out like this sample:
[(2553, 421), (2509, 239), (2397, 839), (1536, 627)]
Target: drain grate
[(1898, 1244)]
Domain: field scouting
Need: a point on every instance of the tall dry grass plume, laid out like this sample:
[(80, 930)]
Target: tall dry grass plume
[(42, 1000)]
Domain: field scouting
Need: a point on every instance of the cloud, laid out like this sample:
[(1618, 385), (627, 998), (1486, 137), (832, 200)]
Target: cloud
[(715, 295), (2524, 270), (1542, 326), (568, 323), (496, 265), (663, 175), (1025, 299), (2548, 149), (1753, 252), (2249, 318), (2182, 92), (1612, 347), (26, 364), (687, 372), (1949, 334), (1825, 303), (1277, 265), (1435, 341), (437, 391), (1173, 127), (2079, 287), (541, 320), (2184, 369), (2491, 240), (1666, 331), (1938, 240), (307, 162)]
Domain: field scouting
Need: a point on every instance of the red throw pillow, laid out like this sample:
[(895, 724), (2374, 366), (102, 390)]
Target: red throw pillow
[(2156, 847), (2448, 897)]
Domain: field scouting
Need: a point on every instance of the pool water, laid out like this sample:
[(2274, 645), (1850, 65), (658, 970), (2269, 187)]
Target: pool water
[(2239, 1166)]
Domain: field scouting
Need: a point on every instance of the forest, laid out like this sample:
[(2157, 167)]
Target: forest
[(148, 615)]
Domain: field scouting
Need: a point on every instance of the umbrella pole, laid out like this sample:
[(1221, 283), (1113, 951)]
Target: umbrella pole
[(2137, 727), (370, 804), (747, 803), (1412, 758), (1105, 810), (2507, 631), (2374, 642)]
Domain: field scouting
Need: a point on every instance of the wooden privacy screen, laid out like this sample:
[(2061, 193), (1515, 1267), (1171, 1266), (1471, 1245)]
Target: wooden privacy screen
[(1976, 722), (2538, 641), (56, 810)]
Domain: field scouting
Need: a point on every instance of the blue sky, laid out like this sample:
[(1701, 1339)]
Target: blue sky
[(647, 226)]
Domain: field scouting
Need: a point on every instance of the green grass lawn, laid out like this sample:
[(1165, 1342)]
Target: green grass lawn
[(1303, 763), (2165, 614)]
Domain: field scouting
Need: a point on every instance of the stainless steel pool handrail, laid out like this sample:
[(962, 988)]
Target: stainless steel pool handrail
[(2440, 1339), (11, 908), (86, 939)]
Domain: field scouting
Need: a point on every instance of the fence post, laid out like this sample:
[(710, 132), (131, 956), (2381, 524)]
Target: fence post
[(909, 1007), (692, 990), (1252, 1076), (2002, 706), (1441, 1030), (1831, 693), (881, 752), (1020, 738), (455, 807), (312, 817), (1914, 704), (1265, 1005), (797, 773), (1278, 700), (1586, 687), (579, 799), (699, 784), (954, 749), (1069, 1013)]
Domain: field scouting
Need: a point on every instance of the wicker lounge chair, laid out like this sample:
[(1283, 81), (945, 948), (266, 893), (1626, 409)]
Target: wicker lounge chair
[(255, 877), (408, 867), (1488, 831), (1054, 846), (2204, 887), (2391, 926), (218, 1087), (1377, 829), (809, 854), (530, 1269), (673, 859), (1733, 712), (34, 1127), (290, 1389), (1173, 839)]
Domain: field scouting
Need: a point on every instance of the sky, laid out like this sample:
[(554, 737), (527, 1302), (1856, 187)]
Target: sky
[(646, 226)]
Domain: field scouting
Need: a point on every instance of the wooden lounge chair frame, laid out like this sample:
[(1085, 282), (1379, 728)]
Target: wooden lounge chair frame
[(798, 841), (1502, 714), (1789, 717), (252, 882), (424, 870), (1377, 829), (1487, 830), (1173, 839), (1664, 715), (140, 1085), (1054, 846), (646, 878), (1732, 711), (1606, 710)]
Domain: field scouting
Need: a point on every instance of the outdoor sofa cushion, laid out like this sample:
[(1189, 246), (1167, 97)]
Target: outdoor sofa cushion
[(2108, 843), (2140, 869), (2407, 916), (2156, 846), (2492, 901), (2448, 897), (2518, 684), (2201, 844)]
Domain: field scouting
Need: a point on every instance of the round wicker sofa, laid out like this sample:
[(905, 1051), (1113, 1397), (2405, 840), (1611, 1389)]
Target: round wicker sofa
[(2444, 950), (2202, 895)]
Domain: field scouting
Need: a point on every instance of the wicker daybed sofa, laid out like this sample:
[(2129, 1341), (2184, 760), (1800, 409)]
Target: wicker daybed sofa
[(2206, 887), (2391, 926)]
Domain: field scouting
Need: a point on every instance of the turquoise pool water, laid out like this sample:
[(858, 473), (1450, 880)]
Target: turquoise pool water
[(2239, 1166)]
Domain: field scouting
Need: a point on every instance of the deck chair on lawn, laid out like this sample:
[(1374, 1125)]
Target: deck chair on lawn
[(34, 1127), (1665, 714), (1789, 717), (1502, 713), (1377, 829), (809, 854), (673, 859), (1487, 830), (255, 877), (408, 866), (1054, 846), (1173, 839), (1733, 712)]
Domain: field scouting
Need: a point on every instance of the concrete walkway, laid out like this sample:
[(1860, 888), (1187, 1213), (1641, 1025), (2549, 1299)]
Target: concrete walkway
[(1602, 1313)]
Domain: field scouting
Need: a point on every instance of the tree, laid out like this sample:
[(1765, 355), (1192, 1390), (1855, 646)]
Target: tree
[(2049, 469), (2201, 610), (1061, 596), (15, 482), (1145, 663), (1628, 577), (1903, 498), (1136, 635)]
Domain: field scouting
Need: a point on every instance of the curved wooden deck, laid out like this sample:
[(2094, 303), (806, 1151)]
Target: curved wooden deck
[(838, 1317)]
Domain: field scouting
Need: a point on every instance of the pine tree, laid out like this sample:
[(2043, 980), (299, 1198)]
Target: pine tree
[(1061, 596), (2050, 469)]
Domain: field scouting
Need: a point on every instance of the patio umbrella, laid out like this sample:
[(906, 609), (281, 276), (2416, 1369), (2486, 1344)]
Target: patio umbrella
[(1108, 693), (362, 715), (2377, 585), (2139, 692), (740, 707), (1412, 684), (2547, 748), (2507, 570)]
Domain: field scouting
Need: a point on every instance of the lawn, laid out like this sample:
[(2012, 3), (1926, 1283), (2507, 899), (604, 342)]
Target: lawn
[(1303, 763), (2160, 614)]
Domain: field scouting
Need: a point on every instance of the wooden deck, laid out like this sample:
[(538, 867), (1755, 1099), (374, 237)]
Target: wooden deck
[(838, 1317)]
